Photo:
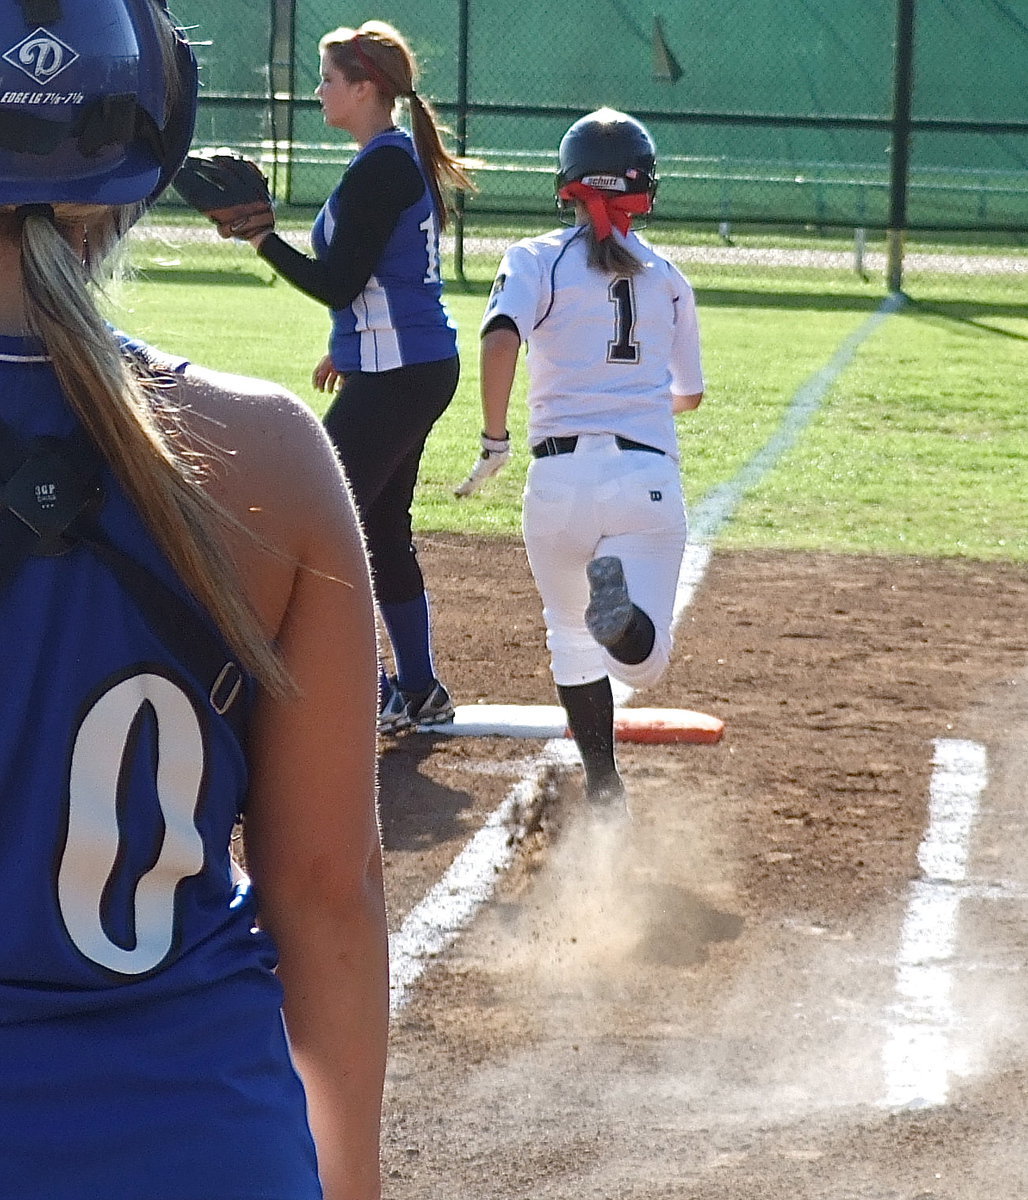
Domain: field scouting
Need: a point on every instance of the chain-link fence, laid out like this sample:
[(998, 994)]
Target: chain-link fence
[(865, 113)]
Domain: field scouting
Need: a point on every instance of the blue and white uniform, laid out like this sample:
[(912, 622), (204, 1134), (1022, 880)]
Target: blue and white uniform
[(398, 317), (605, 356), (376, 267), (142, 1045)]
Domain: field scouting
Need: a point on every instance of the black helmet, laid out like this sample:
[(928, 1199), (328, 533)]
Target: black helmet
[(608, 150), (89, 112)]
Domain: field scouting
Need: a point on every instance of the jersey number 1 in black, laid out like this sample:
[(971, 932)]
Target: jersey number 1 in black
[(622, 295)]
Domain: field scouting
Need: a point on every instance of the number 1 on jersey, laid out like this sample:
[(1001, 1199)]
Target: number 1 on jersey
[(622, 295), (427, 227)]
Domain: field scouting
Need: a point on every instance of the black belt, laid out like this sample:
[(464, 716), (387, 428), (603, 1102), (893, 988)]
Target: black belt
[(566, 445)]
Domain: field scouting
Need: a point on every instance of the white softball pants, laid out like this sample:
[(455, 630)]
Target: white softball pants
[(603, 500)]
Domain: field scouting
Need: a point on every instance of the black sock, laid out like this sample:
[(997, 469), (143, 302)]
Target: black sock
[(590, 712), (635, 645)]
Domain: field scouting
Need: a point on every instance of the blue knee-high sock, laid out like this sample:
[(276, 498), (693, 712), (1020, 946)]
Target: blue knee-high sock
[(407, 625)]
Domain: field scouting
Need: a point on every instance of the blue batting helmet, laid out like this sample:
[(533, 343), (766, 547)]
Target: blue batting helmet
[(93, 108)]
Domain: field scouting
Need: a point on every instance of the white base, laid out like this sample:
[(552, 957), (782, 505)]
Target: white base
[(549, 721), (504, 720)]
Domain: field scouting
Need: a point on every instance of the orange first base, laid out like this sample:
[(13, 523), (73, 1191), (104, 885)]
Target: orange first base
[(655, 725)]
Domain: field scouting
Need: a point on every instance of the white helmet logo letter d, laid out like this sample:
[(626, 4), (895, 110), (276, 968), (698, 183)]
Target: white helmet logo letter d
[(41, 56)]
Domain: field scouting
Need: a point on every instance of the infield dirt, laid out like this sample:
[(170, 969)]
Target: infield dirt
[(695, 1007)]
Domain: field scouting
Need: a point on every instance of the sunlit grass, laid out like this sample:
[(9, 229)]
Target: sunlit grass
[(918, 447)]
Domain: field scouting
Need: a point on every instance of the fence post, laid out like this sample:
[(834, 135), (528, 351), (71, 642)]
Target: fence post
[(463, 19), (903, 87), (281, 72)]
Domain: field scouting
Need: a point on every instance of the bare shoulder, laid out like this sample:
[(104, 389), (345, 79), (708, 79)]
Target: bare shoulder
[(236, 413), (256, 432), (269, 461)]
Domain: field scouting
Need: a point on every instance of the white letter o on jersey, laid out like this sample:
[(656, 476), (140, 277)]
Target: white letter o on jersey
[(92, 846)]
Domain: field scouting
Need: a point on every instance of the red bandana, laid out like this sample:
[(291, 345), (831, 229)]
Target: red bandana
[(608, 210)]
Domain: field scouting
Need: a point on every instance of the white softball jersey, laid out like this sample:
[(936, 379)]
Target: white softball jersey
[(604, 354)]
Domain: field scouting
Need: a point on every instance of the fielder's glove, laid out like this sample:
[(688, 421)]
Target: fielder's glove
[(494, 456), (229, 189)]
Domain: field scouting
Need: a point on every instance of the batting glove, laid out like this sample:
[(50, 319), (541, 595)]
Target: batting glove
[(229, 189), (494, 456)]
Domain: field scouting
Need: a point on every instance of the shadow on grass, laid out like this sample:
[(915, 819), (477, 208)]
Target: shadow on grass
[(727, 298), (820, 302), (468, 287), (211, 278), (973, 314), (967, 312)]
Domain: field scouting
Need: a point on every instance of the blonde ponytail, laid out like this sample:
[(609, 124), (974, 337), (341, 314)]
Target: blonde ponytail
[(132, 421)]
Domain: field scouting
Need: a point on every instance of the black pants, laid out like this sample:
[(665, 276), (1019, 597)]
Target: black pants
[(378, 423)]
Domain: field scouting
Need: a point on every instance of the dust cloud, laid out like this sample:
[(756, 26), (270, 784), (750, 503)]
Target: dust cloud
[(636, 930)]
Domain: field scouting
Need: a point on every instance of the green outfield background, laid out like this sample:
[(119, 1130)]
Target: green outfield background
[(920, 447), (763, 110)]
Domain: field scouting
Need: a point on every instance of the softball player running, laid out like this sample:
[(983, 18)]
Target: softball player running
[(613, 354), (392, 352), (164, 675)]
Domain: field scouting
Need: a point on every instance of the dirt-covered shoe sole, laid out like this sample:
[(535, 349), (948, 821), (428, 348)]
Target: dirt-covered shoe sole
[(609, 611)]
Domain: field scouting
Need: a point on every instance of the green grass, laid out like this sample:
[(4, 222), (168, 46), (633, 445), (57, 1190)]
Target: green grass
[(922, 445), (918, 448)]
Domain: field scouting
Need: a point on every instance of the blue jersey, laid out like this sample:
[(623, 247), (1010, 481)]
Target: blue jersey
[(398, 318), (141, 1040)]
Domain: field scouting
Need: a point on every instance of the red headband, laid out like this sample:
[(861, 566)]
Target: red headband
[(608, 210), (375, 72)]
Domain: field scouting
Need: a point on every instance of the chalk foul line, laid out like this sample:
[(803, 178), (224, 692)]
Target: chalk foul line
[(918, 1056)]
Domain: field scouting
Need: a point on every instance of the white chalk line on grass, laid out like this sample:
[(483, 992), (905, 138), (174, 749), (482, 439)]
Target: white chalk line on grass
[(720, 502), (470, 882), (918, 1057)]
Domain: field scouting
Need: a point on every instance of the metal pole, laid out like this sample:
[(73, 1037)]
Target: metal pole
[(291, 103), (903, 87), (463, 18), (280, 86), (859, 249)]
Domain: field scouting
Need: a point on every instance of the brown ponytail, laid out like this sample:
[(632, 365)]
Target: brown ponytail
[(610, 256), (378, 52)]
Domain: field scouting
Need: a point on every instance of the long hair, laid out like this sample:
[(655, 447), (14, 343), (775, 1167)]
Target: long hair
[(130, 417), (378, 52), (611, 256)]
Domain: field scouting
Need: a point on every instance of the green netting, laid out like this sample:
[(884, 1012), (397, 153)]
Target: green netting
[(233, 45), (763, 110)]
